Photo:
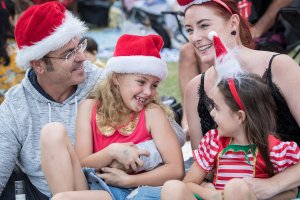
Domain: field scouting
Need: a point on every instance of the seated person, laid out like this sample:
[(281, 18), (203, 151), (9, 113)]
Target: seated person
[(91, 52)]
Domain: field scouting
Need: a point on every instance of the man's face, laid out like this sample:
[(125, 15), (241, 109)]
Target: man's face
[(64, 66)]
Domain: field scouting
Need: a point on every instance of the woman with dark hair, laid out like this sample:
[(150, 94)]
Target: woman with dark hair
[(280, 72), (243, 145)]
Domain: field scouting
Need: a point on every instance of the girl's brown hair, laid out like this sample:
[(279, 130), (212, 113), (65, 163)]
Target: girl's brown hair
[(111, 108), (259, 107), (244, 28)]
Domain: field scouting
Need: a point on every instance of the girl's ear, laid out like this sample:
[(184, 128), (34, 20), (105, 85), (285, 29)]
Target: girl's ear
[(115, 80), (234, 22), (241, 116)]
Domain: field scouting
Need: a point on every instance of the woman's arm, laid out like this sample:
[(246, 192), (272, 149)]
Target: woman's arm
[(290, 194), (283, 181), (191, 99), (286, 74)]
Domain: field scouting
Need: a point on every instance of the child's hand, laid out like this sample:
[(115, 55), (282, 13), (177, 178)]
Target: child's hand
[(120, 166), (128, 155), (208, 185), (114, 177)]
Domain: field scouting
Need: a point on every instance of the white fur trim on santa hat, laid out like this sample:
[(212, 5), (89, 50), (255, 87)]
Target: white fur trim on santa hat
[(211, 35), (70, 28), (183, 8), (148, 65)]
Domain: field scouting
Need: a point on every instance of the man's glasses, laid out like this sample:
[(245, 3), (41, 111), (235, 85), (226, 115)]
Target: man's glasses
[(71, 56)]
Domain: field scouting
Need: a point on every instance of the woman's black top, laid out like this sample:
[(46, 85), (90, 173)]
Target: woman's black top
[(287, 127)]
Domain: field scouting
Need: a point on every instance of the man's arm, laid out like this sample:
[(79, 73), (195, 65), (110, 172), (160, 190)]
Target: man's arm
[(9, 145), (269, 17)]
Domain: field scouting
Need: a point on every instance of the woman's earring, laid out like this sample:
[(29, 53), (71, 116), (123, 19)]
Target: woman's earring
[(233, 32)]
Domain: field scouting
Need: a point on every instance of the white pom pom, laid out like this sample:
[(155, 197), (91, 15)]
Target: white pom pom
[(211, 35)]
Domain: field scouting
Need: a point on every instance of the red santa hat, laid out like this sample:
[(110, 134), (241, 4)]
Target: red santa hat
[(226, 63), (184, 4), (44, 28), (138, 55)]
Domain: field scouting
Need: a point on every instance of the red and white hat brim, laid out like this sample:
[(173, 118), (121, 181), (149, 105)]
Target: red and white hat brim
[(148, 65), (69, 29)]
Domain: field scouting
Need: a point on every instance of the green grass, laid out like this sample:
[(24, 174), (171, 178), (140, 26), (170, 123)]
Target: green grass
[(297, 59), (170, 86)]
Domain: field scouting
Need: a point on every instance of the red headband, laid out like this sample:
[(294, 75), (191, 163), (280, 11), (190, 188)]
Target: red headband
[(184, 4), (224, 5), (235, 93)]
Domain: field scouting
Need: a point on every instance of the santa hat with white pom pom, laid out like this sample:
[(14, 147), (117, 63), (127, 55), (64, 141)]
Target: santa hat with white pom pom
[(226, 63)]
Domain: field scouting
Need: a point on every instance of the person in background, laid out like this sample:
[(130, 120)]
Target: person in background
[(124, 110), (262, 15), (280, 72), (92, 51), (10, 74), (189, 66), (57, 79), (7, 12)]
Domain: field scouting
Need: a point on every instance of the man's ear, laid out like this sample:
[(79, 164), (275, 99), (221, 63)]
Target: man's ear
[(37, 66), (241, 116)]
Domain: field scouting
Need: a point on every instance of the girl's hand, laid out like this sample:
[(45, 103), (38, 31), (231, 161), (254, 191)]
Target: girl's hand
[(128, 155), (120, 166), (114, 177), (208, 185)]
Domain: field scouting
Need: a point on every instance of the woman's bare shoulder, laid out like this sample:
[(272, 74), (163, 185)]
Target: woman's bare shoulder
[(194, 83)]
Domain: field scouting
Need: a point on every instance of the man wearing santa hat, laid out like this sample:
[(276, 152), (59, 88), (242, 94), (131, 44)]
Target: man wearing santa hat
[(57, 79)]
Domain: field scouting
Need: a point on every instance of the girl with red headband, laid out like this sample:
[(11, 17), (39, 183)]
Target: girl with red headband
[(280, 72), (244, 144)]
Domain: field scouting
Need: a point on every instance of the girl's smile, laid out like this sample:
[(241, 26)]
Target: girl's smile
[(137, 90)]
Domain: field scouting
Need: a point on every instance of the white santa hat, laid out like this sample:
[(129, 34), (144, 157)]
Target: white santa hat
[(226, 63), (138, 55), (44, 28)]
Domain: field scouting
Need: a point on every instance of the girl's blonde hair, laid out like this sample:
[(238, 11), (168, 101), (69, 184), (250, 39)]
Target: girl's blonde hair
[(111, 106)]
